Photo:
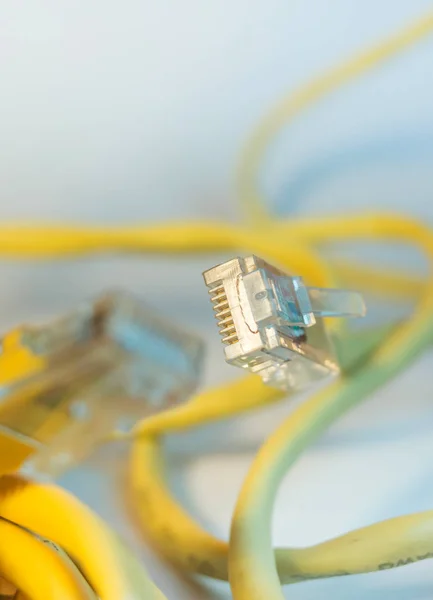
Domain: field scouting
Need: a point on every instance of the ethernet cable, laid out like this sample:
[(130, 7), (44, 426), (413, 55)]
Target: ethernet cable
[(251, 565), (205, 406), (218, 408), (252, 569), (54, 240)]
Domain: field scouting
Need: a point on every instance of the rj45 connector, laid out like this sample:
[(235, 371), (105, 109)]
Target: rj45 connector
[(272, 324), (67, 385)]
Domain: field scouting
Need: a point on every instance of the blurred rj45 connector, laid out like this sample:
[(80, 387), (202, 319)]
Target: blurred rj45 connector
[(66, 385)]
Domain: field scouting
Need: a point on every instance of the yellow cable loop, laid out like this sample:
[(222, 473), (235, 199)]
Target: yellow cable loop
[(297, 101)]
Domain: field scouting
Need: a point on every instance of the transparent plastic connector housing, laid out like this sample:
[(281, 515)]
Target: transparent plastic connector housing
[(65, 386), (272, 324)]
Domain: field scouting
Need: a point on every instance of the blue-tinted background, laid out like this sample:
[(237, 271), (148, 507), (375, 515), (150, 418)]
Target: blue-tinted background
[(137, 111)]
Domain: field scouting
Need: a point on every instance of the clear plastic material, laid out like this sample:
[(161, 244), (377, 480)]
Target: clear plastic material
[(65, 386), (272, 324), (336, 303)]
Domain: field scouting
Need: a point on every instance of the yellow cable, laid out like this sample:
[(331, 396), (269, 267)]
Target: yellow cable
[(368, 226), (299, 100), (53, 513), (223, 401), (390, 284), (59, 241), (37, 569)]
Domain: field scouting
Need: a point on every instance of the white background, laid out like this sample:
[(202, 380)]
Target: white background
[(136, 111)]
